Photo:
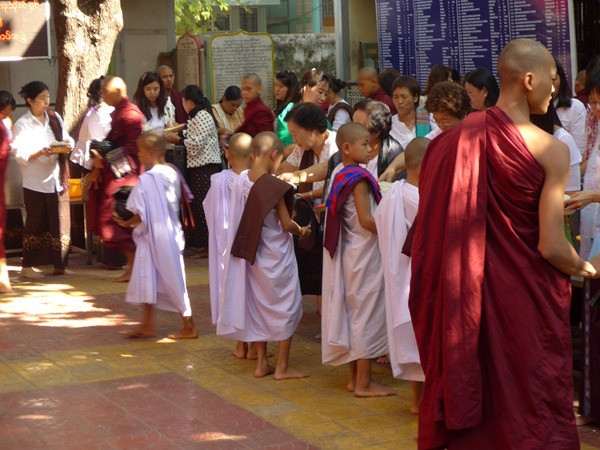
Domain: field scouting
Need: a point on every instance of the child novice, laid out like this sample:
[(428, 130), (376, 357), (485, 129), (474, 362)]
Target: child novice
[(353, 321), (216, 208), (158, 275), (394, 217), (262, 299), (257, 116)]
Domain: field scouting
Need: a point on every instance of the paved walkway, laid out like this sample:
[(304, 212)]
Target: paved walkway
[(70, 380)]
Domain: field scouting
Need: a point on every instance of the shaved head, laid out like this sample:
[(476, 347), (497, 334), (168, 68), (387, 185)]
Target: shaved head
[(240, 145), (521, 56), (254, 78), (155, 141), (368, 72), (415, 152), (114, 90), (349, 133), (265, 143)]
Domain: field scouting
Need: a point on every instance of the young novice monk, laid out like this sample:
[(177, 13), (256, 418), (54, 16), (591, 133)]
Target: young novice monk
[(257, 116), (262, 299), (394, 217), (158, 276), (216, 208), (353, 320)]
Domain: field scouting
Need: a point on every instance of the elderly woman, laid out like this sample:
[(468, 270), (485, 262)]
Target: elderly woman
[(46, 235), (411, 121), (227, 112), (449, 104)]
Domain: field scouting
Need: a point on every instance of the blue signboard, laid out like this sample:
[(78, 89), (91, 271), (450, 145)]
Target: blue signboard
[(414, 35)]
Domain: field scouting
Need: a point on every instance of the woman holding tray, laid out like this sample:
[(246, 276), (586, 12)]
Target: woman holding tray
[(45, 169)]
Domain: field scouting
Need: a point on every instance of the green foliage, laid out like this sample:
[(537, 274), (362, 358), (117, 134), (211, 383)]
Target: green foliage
[(197, 16)]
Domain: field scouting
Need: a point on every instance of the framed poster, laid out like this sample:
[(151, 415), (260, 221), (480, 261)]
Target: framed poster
[(24, 29)]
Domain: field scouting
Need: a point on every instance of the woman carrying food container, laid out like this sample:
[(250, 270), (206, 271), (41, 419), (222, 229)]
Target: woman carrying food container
[(41, 146)]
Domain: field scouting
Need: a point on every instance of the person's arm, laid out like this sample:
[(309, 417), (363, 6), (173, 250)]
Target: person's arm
[(317, 172), (287, 223), (396, 166), (581, 199), (553, 244), (362, 201), (132, 222)]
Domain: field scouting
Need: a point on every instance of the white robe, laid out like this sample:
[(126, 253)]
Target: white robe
[(353, 313), (158, 276), (261, 302), (394, 217), (216, 210)]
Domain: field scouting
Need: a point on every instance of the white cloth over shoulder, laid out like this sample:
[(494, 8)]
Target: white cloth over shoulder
[(353, 312), (394, 217), (158, 276), (261, 302), (216, 210)]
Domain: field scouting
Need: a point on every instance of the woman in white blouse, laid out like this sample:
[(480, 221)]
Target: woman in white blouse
[(411, 121), (571, 112), (151, 97), (95, 125), (203, 159), (46, 235)]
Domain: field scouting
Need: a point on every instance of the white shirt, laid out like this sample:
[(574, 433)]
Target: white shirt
[(573, 120), (29, 137), (329, 149), (95, 126), (341, 116), (7, 125), (574, 183)]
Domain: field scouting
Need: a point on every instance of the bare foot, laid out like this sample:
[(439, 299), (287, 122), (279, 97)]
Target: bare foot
[(383, 359), (124, 278), (185, 333), (5, 287), (263, 371), (414, 409), (139, 333), (201, 254), (582, 420), (240, 350), (30, 272), (62, 271), (318, 336), (351, 386), (374, 390), (290, 374)]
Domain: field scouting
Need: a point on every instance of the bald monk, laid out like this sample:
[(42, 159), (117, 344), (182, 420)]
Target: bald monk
[(168, 78), (262, 299), (216, 207), (490, 291), (257, 116), (353, 321), (126, 128), (368, 85)]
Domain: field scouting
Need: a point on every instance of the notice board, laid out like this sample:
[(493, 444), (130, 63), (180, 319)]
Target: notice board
[(414, 35), (24, 29)]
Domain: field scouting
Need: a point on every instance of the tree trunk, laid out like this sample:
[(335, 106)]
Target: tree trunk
[(86, 31)]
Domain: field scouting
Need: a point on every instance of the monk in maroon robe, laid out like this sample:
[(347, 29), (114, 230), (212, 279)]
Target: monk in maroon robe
[(168, 77), (257, 116), (490, 292), (368, 85), (126, 128)]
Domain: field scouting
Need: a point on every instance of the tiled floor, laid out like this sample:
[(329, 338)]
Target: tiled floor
[(68, 379)]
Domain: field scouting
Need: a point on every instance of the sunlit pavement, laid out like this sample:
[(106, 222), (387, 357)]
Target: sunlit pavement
[(69, 379)]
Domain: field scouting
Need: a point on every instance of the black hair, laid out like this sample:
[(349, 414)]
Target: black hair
[(195, 94), (6, 99), (564, 91), (455, 75), (594, 62), (139, 98), (592, 81), (380, 117), (335, 84), (546, 121), (232, 93), (32, 89), (386, 80), (483, 78), (308, 116), (410, 83), (94, 92), (289, 80), (309, 79)]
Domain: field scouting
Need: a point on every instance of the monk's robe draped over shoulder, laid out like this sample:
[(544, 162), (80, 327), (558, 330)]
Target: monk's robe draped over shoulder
[(491, 315), (263, 197)]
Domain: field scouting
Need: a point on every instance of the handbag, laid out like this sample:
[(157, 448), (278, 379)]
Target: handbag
[(120, 200)]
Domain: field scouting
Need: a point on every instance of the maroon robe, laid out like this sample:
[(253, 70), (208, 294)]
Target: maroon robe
[(126, 128), (491, 315), (257, 118), (180, 115), (381, 96), (4, 156)]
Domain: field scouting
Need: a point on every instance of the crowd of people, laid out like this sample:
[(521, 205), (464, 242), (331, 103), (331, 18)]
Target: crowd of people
[(432, 226)]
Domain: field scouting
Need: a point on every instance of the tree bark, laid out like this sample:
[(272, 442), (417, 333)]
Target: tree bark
[(86, 31)]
